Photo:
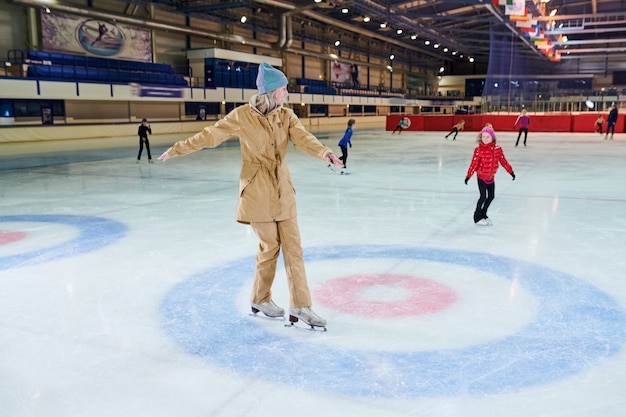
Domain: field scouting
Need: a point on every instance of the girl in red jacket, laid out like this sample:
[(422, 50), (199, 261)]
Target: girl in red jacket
[(487, 156)]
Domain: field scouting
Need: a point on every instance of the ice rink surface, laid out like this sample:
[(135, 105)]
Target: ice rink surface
[(124, 287)]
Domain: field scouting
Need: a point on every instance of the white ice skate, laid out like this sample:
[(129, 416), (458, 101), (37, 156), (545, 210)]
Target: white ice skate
[(306, 315), (332, 167), (484, 222), (269, 308)]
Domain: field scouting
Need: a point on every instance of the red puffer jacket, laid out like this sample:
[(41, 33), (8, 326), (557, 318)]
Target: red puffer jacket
[(485, 162)]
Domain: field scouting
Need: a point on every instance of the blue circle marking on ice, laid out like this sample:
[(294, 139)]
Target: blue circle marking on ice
[(95, 232), (576, 326)]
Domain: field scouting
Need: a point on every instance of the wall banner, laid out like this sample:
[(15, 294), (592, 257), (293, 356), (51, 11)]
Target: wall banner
[(344, 73), (94, 37)]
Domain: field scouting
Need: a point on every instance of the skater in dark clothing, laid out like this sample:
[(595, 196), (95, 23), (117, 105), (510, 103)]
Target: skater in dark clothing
[(343, 145), (610, 123), (598, 124), (485, 163), (456, 128), (402, 124), (143, 131), (524, 121)]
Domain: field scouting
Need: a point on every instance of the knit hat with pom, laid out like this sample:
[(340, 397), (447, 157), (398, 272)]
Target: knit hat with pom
[(269, 78), (490, 131)]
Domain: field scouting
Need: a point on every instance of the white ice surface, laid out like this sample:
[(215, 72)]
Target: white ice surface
[(83, 334)]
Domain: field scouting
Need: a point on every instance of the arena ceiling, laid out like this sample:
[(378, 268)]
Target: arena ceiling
[(572, 36), (590, 32)]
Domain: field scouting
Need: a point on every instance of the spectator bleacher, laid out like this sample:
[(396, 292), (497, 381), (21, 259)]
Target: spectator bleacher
[(315, 87), (230, 74), (66, 67)]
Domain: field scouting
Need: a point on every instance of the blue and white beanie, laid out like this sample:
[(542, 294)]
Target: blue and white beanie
[(269, 78)]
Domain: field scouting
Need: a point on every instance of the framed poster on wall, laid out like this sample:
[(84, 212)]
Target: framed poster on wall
[(344, 73), (96, 37)]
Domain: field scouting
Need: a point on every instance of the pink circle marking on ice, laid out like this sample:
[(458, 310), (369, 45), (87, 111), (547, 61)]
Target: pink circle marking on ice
[(410, 296), (7, 236)]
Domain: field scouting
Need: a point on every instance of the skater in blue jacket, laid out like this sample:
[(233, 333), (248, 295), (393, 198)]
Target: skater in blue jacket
[(343, 145)]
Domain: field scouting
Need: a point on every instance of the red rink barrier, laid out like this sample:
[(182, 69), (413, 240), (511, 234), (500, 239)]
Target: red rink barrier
[(557, 122)]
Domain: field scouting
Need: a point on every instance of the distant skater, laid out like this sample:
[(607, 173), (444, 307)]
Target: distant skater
[(610, 123), (343, 145), (598, 124), (143, 131), (524, 121), (456, 128), (485, 163)]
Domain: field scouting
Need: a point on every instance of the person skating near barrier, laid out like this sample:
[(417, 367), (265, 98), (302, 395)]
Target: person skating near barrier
[(524, 121), (611, 121), (456, 128)]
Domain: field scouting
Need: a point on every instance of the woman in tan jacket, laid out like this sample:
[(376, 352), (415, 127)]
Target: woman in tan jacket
[(266, 191)]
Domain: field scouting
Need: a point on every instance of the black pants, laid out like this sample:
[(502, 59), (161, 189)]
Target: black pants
[(610, 127), (344, 155), (141, 142), (455, 131), (396, 129), (487, 192), (522, 129)]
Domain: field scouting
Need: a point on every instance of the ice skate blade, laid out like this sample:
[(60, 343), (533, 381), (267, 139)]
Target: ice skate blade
[(311, 328), (293, 320)]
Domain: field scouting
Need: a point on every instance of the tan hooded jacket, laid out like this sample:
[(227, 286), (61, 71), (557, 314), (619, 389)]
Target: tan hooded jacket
[(266, 190)]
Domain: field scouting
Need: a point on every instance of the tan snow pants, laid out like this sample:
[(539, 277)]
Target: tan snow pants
[(273, 236)]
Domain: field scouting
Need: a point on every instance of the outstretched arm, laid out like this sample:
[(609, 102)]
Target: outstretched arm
[(209, 137)]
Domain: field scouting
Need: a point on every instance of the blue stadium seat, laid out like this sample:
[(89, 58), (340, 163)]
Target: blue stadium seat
[(90, 68)]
